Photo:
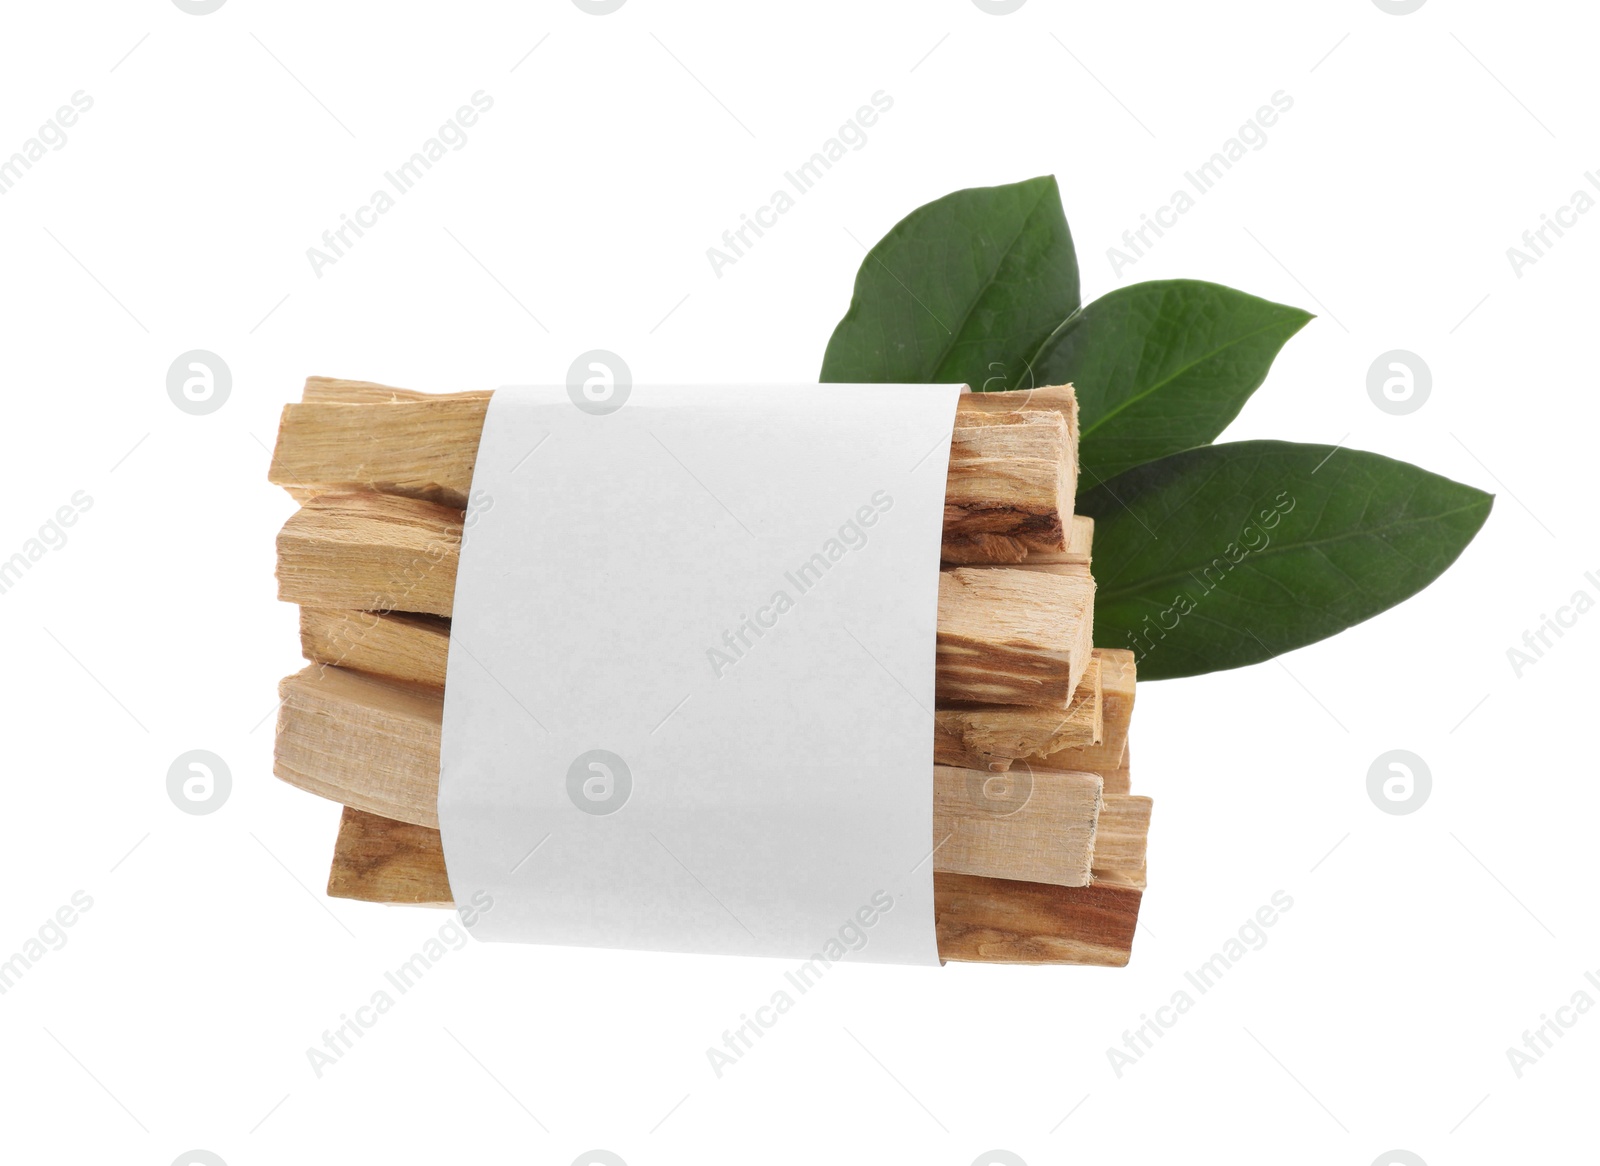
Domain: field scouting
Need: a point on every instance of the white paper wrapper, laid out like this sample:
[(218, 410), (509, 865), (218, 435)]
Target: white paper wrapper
[(689, 697)]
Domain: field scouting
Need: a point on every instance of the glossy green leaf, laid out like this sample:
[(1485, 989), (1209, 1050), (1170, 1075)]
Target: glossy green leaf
[(1162, 367), (964, 289), (1230, 554)]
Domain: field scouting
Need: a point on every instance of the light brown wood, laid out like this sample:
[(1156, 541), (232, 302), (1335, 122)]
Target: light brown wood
[(977, 919), (379, 860), (985, 537), (415, 648), (1117, 781), (1110, 877), (336, 390), (1005, 636), (993, 736), (370, 552), (1012, 637), (1010, 485), (1117, 678), (1122, 832), (1009, 491), (1074, 560), (374, 744), (356, 739), (1018, 825), (997, 921), (1011, 480), (391, 644)]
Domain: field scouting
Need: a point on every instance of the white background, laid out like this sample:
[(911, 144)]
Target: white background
[(177, 216)]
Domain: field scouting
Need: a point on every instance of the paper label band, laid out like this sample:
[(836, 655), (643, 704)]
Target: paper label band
[(688, 703)]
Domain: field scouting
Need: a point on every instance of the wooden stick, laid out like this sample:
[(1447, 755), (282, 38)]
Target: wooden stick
[(1117, 676), (1010, 485), (392, 644), (374, 744), (370, 552), (1122, 832), (369, 743), (415, 648), (993, 736), (1117, 781), (1005, 636), (1036, 828), (1012, 475), (379, 860), (1012, 637), (978, 919)]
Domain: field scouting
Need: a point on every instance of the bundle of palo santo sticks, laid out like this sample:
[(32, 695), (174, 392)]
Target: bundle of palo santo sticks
[(1039, 847)]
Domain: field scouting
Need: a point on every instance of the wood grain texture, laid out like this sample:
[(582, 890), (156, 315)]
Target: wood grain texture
[(1117, 781), (415, 649), (1111, 877), (1122, 832), (1075, 559), (995, 921), (374, 744), (1018, 825), (379, 860), (1012, 637), (1010, 485), (993, 736), (370, 552), (1011, 479), (1117, 679), (396, 645), (337, 390), (978, 919), (361, 740), (1004, 636)]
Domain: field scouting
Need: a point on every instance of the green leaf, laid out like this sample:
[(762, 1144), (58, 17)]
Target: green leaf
[(1229, 554), (1162, 367), (964, 289)]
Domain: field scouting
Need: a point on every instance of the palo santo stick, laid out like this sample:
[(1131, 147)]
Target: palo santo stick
[(1011, 480), (392, 644), (1012, 637), (1037, 828), (1117, 781), (412, 447), (380, 860), (370, 552), (984, 920), (415, 648), (365, 742), (1010, 485), (1122, 833), (992, 736), (1004, 636), (374, 744), (982, 539), (1117, 676), (997, 921)]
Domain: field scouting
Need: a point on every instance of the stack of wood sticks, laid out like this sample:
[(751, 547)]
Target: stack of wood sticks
[(1038, 846)]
